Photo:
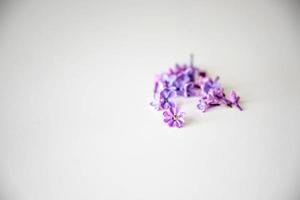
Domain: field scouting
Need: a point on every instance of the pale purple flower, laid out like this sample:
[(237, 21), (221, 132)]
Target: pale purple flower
[(219, 96), (217, 92), (202, 105), (234, 99), (191, 90), (173, 117), (166, 98), (211, 84)]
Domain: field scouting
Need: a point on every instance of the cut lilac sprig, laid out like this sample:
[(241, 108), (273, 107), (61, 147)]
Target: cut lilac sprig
[(234, 99), (203, 105), (189, 81), (166, 98)]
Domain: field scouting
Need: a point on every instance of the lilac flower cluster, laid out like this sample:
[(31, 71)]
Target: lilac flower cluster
[(188, 81)]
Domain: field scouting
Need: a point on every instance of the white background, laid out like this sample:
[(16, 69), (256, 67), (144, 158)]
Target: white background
[(76, 81)]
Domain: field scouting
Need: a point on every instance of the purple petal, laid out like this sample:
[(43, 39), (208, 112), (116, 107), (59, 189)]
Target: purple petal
[(173, 110), (201, 107), (207, 87), (180, 115), (232, 95), (179, 124), (164, 94), (165, 105), (171, 104), (181, 120), (168, 120), (162, 104), (167, 114), (171, 123), (171, 94)]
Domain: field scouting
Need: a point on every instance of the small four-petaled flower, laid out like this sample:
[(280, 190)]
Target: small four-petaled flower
[(166, 99), (173, 117)]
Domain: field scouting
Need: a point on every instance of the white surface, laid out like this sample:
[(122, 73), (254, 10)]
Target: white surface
[(75, 83)]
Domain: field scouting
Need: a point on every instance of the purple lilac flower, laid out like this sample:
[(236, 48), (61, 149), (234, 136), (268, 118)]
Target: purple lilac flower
[(202, 105), (212, 100), (217, 92), (219, 96), (179, 87), (173, 117), (191, 90), (183, 78), (166, 98), (207, 102), (234, 99), (211, 84)]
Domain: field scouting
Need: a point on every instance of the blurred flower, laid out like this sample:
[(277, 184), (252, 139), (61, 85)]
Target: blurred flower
[(166, 98), (234, 99), (173, 117), (191, 90), (209, 84), (168, 80), (202, 105), (179, 87)]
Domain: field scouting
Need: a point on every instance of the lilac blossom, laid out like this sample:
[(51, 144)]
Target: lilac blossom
[(202, 105), (191, 90), (166, 98), (179, 87), (210, 84), (189, 81), (173, 117), (234, 99)]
